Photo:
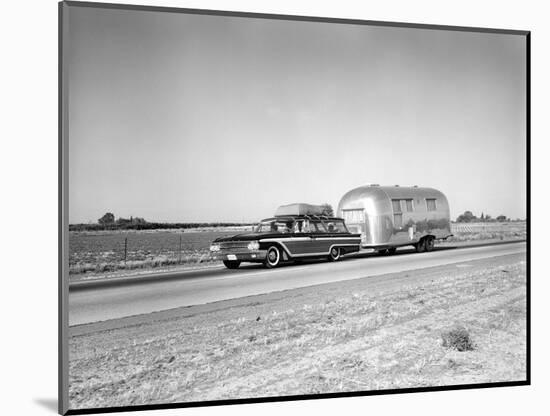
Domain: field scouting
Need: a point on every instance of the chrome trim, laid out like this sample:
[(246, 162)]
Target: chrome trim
[(327, 253), (277, 240), (336, 238)]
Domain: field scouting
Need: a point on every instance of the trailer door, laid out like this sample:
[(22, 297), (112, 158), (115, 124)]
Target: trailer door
[(356, 222)]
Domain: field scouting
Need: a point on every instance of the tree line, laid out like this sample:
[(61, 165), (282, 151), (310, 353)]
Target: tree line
[(108, 222), (468, 216)]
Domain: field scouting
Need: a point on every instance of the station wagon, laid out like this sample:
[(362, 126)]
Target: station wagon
[(296, 232)]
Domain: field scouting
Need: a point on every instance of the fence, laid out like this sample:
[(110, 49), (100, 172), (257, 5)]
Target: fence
[(101, 252), (489, 231), (487, 227)]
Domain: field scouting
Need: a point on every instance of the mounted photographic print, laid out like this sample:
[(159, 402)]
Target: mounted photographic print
[(263, 207)]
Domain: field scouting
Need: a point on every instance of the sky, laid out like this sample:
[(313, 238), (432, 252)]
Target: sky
[(176, 117)]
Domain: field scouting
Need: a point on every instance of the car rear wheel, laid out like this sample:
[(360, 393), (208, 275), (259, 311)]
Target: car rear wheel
[(231, 264), (382, 252), (335, 254), (392, 250), (273, 257)]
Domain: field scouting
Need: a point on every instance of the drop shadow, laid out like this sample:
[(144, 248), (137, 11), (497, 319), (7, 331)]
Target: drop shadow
[(48, 404)]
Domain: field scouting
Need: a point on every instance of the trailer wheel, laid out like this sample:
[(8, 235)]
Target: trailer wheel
[(392, 250), (382, 252), (231, 264), (335, 254), (420, 246), (430, 243), (273, 257)]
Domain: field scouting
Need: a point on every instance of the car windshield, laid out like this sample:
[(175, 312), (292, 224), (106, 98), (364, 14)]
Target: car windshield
[(274, 227)]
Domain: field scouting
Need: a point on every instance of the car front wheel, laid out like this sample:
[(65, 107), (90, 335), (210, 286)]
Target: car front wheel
[(273, 257), (335, 254)]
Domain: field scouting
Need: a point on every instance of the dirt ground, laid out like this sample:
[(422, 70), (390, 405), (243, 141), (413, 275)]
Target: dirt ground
[(381, 332)]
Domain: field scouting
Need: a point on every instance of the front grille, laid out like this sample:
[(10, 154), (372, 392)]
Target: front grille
[(232, 245)]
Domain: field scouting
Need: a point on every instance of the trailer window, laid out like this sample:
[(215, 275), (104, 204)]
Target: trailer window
[(409, 204), (430, 203), (354, 216), (396, 203)]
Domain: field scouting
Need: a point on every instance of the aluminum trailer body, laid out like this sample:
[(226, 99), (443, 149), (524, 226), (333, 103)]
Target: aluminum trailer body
[(391, 216)]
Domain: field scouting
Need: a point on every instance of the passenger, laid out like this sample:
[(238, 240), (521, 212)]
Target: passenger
[(331, 228), (274, 227)]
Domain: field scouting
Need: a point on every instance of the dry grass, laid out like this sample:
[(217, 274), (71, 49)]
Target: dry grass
[(102, 253), (503, 231), (153, 263), (330, 338)]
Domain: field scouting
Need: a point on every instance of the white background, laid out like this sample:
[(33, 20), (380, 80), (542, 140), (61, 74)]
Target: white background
[(29, 205)]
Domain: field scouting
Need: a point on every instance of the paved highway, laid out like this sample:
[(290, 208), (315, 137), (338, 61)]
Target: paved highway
[(102, 302)]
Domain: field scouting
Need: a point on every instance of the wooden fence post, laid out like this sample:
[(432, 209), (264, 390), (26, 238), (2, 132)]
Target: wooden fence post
[(180, 252)]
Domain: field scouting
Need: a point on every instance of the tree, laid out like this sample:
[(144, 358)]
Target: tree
[(466, 217), (123, 221), (326, 209), (482, 216), (502, 218), (107, 219)]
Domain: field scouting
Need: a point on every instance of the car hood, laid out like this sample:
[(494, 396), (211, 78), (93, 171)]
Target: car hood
[(247, 237)]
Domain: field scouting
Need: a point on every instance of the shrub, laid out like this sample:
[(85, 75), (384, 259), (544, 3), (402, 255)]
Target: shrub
[(457, 338)]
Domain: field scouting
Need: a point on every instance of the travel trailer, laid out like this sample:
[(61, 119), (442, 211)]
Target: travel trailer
[(388, 217)]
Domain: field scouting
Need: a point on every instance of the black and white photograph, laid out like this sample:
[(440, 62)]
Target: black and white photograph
[(267, 207)]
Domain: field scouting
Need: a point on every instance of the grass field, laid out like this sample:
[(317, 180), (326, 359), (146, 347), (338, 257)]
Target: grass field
[(488, 231), (455, 324), (93, 254), (104, 252)]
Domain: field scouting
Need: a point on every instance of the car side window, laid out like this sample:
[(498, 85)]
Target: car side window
[(336, 227), (317, 227)]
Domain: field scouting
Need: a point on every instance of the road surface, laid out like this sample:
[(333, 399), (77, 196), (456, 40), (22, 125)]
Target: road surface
[(100, 303)]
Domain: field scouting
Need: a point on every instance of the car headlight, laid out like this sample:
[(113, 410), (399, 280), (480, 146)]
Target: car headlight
[(215, 247), (253, 245)]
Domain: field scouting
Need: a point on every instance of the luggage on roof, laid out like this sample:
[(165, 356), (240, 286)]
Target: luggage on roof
[(298, 209)]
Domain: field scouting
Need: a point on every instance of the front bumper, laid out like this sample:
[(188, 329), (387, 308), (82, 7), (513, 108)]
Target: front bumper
[(249, 255)]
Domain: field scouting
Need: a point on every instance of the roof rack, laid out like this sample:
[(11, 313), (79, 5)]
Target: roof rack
[(313, 216)]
